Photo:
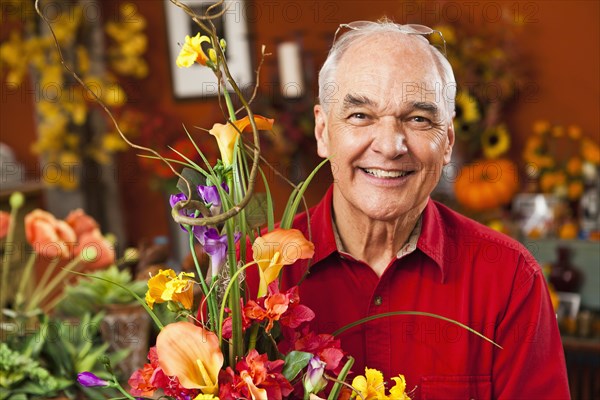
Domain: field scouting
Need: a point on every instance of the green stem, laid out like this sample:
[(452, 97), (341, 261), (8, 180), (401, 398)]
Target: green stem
[(422, 313), (335, 391), (253, 337), (234, 299), (226, 295), (120, 389), (25, 278), (131, 292), (48, 272), (207, 294), (59, 278), (229, 103)]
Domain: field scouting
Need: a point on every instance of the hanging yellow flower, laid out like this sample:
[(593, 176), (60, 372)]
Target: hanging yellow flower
[(192, 51), (227, 135), (495, 142)]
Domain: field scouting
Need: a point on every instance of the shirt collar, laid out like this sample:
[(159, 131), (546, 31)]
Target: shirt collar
[(322, 228), (432, 238), (428, 231)]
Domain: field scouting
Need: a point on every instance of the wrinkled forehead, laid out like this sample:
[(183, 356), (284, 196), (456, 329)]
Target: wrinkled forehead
[(392, 68)]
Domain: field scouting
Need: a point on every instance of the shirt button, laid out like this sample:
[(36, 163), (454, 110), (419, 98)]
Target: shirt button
[(378, 300)]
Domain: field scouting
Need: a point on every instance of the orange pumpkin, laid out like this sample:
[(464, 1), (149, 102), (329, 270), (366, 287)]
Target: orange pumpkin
[(486, 184)]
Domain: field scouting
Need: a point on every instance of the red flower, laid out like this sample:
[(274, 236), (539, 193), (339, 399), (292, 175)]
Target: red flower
[(4, 223), (325, 346), (258, 378), (277, 306), (150, 378), (141, 380)]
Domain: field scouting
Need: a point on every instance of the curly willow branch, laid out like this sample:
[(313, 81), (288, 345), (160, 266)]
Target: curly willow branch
[(99, 101), (220, 218)]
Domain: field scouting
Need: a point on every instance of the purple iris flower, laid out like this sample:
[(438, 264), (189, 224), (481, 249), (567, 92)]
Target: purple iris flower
[(176, 198), (210, 195), (88, 379), (215, 246), (313, 380)]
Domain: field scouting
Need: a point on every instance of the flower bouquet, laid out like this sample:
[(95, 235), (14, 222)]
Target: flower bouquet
[(230, 340)]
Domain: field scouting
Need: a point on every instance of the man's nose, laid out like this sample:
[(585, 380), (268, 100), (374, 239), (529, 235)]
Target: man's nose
[(389, 139)]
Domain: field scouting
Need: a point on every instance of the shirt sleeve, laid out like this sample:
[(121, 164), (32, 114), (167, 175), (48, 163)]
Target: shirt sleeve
[(531, 364)]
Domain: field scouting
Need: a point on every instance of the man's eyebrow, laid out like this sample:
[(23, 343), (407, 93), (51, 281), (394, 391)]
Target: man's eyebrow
[(426, 106), (351, 100)]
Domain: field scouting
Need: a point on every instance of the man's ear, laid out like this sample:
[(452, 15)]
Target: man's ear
[(321, 133), (450, 143)]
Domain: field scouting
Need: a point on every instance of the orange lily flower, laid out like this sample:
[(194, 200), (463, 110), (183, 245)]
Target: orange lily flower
[(227, 135), (192, 354), (278, 248)]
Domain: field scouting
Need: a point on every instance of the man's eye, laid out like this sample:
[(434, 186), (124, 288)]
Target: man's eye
[(358, 116), (420, 119)]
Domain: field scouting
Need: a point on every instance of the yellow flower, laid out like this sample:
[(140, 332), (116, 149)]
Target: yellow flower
[(574, 190), (466, 108), (167, 286), (135, 46), (114, 95), (574, 166), (278, 248), (371, 385), (113, 142), (574, 132), (495, 142), (206, 397), (227, 135), (191, 51), (83, 60), (558, 131), (398, 392), (541, 127), (192, 354), (590, 151)]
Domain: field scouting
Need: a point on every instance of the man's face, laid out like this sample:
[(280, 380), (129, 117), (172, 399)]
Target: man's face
[(387, 130)]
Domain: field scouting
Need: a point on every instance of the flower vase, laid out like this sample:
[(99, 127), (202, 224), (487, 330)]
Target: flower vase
[(127, 326)]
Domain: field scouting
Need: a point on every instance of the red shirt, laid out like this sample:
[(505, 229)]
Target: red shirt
[(459, 270)]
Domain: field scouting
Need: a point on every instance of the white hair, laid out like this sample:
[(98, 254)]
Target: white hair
[(327, 72)]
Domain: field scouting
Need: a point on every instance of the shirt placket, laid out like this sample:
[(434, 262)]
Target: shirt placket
[(378, 332)]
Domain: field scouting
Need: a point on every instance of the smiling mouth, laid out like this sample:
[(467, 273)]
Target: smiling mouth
[(380, 173)]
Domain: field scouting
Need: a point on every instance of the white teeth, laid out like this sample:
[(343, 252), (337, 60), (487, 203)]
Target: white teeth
[(379, 173)]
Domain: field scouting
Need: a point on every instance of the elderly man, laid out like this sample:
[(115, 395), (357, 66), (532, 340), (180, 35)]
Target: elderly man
[(382, 245)]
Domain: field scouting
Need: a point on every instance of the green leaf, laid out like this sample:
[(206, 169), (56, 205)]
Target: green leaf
[(256, 213), (194, 178), (295, 362), (270, 215)]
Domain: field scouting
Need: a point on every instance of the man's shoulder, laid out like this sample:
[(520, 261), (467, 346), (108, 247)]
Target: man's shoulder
[(459, 229)]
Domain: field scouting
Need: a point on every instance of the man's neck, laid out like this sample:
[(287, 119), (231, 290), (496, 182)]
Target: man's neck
[(375, 242)]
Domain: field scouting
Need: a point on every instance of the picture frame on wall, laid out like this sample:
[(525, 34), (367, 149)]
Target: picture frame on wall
[(199, 81)]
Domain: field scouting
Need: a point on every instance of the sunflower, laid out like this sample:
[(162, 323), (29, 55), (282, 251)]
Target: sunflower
[(495, 141), (466, 108)]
